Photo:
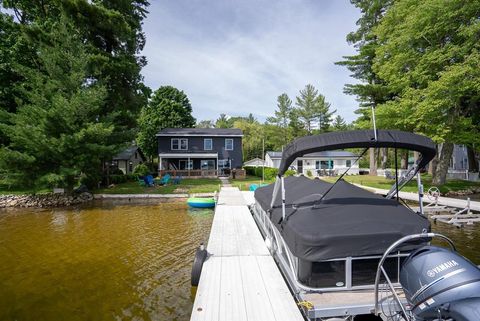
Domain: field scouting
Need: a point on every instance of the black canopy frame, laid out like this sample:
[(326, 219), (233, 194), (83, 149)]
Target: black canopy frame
[(356, 139)]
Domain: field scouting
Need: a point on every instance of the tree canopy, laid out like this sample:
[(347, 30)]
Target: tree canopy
[(168, 108), (78, 62)]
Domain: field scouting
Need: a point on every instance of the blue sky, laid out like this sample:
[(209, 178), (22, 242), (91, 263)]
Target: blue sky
[(236, 57)]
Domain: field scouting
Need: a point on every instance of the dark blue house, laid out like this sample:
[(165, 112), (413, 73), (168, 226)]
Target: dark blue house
[(206, 151)]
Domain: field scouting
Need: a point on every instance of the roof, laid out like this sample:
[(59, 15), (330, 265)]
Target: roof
[(324, 154), (128, 153), (256, 161), (201, 132)]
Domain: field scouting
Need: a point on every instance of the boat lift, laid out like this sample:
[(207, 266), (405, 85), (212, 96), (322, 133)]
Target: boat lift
[(457, 216)]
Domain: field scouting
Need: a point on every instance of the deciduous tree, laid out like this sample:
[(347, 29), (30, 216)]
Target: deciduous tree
[(168, 108)]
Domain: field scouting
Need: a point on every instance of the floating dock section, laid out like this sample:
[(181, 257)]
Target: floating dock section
[(240, 280)]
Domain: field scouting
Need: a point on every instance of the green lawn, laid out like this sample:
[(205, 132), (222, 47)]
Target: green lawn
[(186, 186), (382, 182), (244, 184)]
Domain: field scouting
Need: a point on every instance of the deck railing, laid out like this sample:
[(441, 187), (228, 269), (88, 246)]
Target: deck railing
[(239, 173)]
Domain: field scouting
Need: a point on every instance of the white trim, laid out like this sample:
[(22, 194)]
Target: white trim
[(211, 144), (179, 143), (226, 144), (185, 155), (197, 135)]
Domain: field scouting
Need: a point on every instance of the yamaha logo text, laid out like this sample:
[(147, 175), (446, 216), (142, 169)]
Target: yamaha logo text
[(441, 267)]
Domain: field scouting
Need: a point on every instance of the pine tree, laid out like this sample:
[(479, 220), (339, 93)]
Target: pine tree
[(56, 135)]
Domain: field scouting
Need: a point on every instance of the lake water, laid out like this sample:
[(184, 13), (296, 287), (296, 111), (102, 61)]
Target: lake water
[(102, 262), (114, 261)]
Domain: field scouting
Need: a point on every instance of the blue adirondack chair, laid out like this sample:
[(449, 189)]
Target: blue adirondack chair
[(165, 179), (148, 180), (177, 179)]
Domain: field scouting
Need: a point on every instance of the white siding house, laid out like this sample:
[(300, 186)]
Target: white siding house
[(319, 164)]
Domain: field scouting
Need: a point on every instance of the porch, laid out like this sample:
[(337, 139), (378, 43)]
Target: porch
[(194, 165)]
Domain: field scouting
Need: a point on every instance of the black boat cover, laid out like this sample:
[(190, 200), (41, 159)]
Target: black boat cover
[(349, 221), (355, 139)]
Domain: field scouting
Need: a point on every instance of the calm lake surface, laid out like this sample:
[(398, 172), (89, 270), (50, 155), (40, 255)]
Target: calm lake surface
[(110, 261), (114, 260)]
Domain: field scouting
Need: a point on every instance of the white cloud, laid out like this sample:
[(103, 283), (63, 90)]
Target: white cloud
[(236, 57)]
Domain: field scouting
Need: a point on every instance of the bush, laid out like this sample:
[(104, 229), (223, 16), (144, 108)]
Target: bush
[(131, 177), (141, 170), (290, 172), (269, 173), (309, 173), (117, 179), (91, 181)]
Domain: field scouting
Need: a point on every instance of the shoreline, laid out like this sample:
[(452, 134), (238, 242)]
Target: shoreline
[(61, 200)]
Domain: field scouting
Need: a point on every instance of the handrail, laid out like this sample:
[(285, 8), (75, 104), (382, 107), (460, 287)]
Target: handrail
[(392, 247)]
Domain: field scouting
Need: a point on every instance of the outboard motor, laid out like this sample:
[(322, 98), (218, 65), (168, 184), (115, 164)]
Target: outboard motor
[(441, 285)]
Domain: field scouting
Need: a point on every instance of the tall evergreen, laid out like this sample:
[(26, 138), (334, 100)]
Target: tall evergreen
[(108, 38), (56, 136)]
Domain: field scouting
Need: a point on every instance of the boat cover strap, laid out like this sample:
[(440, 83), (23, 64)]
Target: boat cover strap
[(358, 139)]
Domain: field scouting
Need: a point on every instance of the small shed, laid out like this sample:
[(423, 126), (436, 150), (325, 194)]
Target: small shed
[(256, 162), (128, 159)]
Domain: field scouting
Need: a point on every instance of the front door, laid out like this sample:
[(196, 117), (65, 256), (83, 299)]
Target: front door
[(300, 166), (185, 164)]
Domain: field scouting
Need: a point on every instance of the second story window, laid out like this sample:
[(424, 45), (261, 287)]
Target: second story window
[(228, 144), (207, 144), (179, 144)]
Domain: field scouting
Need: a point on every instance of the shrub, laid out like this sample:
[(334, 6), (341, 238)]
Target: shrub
[(309, 173), (269, 172), (141, 170), (117, 179), (290, 172)]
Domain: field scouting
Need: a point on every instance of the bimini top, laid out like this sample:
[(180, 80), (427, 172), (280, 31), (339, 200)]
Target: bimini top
[(355, 139), (349, 221)]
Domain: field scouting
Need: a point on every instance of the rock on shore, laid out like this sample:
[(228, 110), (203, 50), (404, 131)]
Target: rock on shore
[(44, 200), (466, 192)]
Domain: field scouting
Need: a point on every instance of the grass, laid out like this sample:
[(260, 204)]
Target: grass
[(244, 184), (186, 186), (382, 182)]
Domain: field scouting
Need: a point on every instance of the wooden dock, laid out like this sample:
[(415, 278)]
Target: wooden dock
[(442, 201), (240, 280)]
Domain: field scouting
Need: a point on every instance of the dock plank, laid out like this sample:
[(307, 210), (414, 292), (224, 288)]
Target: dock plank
[(240, 280)]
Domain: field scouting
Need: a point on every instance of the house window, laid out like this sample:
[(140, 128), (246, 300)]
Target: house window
[(228, 144), (179, 144), (207, 144), (224, 163), (348, 162), (317, 164), (207, 164), (326, 165)]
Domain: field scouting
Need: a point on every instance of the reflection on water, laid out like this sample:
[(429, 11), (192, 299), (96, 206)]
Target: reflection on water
[(466, 239), (111, 261)]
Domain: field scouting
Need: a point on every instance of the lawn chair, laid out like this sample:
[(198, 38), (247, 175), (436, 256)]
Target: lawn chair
[(177, 179), (165, 179), (141, 181), (388, 175), (148, 180)]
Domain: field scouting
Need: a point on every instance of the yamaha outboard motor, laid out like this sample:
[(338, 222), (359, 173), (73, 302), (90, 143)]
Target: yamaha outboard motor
[(441, 285)]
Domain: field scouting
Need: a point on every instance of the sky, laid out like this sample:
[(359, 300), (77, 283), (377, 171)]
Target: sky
[(237, 57)]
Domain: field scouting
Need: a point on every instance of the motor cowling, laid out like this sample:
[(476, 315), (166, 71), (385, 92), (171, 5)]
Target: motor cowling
[(440, 283)]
